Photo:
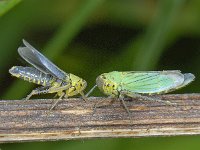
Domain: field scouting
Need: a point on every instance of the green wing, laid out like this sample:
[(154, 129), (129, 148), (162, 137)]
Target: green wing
[(152, 81)]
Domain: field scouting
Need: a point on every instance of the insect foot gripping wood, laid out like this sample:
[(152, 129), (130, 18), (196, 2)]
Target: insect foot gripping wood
[(51, 78), (142, 84)]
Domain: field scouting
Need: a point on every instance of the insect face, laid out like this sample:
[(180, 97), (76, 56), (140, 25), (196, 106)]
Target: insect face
[(77, 85), (106, 86)]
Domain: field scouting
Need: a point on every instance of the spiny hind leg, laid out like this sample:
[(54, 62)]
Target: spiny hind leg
[(60, 98), (39, 90), (146, 98)]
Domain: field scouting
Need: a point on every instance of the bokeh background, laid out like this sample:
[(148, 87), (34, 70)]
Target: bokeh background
[(90, 37)]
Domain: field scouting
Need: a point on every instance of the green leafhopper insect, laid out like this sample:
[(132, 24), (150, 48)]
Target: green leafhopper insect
[(51, 78), (141, 83)]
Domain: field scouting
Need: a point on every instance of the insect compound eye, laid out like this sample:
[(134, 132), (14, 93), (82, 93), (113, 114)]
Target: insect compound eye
[(103, 77)]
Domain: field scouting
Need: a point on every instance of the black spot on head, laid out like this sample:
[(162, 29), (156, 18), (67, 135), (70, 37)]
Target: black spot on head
[(103, 77)]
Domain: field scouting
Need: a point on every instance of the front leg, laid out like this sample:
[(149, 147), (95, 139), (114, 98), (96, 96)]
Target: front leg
[(83, 96), (91, 90)]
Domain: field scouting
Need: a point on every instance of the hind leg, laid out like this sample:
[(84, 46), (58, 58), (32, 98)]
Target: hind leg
[(146, 98), (39, 90), (45, 90)]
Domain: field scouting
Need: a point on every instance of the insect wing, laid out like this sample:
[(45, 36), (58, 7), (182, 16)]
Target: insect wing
[(151, 82), (39, 61)]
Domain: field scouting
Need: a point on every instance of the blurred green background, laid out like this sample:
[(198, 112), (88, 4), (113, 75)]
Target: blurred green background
[(90, 37)]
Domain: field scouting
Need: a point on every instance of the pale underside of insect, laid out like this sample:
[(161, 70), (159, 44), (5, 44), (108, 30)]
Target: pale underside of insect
[(141, 84), (51, 78)]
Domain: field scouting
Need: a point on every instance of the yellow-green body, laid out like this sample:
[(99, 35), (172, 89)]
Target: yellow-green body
[(128, 83), (48, 75)]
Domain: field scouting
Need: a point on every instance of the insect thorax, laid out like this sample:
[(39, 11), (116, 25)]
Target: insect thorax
[(107, 86), (77, 85)]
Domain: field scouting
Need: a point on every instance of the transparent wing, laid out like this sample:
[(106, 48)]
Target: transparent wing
[(152, 82), (39, 61)]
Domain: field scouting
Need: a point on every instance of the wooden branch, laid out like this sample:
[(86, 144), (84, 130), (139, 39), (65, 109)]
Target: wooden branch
[(74, 119)]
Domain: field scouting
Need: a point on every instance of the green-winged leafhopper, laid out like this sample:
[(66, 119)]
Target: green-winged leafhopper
[(141, 84), (51, 78)]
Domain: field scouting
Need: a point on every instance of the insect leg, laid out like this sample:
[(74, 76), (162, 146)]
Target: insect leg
[(102, 104), (60, 98), (155, 100), (121, 97), (40, 90), (55, 95), (83, 96), (58, 89), (91, 90), (146, 98)]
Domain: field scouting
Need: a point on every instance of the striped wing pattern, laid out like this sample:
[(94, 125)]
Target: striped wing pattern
[(151, 82)]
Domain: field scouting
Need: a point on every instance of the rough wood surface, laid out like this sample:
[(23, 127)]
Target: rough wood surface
[(75, 119)]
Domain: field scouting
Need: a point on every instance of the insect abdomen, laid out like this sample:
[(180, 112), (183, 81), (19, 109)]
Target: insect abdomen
[(32, 75)]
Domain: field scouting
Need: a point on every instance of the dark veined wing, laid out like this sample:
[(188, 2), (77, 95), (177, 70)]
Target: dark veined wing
[(39, 61), (153, 82)]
